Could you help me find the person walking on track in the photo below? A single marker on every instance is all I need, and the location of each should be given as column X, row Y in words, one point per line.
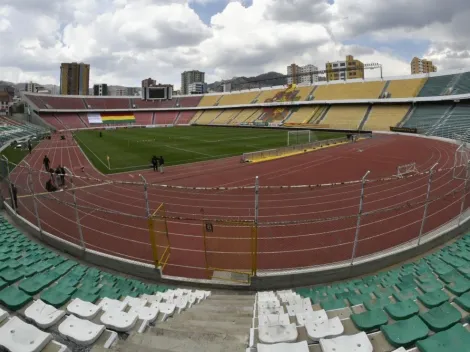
column 155, row 163
column 30, row 147
column 46, row 162
column 14, row 197
column 161, row 162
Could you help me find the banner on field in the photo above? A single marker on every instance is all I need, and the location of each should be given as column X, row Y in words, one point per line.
column 404, row 129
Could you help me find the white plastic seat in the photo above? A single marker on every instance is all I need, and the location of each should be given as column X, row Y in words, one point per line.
column 80, row 331
column 43, row 314
column 179, row 292
column 313, row 316
column 83, row 309
column 317, row 330
column 277, row 333
column 151, row 298
column 266, row 304
column 200, row 294
column 347, row 343
column 273, row 319
column 181, row 303
column 401, row 349
column 111, row 304
column 170, row 294
column 271, row 310
column 18, row 336
column 303, row 306
column 145, row 313
column 3, row 315
column 166, row 309
column 283, row 347
column 135, row 301
column 119, row 320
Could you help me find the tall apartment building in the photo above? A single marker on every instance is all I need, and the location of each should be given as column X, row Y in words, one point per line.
column 302, row 74
column 74, row 78
column 422, row 66
column 100, row 89
column 348, row 69
column 148, row 83
column 31, row 87
column 189, row 77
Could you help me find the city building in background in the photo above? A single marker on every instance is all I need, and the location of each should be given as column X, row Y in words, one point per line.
column 197, row 88
column 74, row 78
column 190, row 77
column 343, row 70
column 100, row 89
column 149, row 82
column 5, row 102
column 422, row 66
column 31, row 87
column 302, row 74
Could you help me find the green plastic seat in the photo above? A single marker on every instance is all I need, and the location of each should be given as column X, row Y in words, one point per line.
column 430, row 286
column 442, row 317
column 85, row 296
column 405, row 332
column 384, row 292
column 459, row 286
column 457, row 339
column 405, row 295
column 370, row 320
column 89, row 287
column 14, row 298
column 55, row 296
column 378, row 303
column 33, row 285
column 12, row 263
column 11, row 275
column 42, row 266
column 451, row 276
column 326, row 305
column 3, row 284
column 358, row 299
column 402, row 310
column 433, row 299
column 464, row 301
column 109, row 292
column 454, row 261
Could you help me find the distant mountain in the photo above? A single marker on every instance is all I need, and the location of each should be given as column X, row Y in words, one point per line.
column 264, row 80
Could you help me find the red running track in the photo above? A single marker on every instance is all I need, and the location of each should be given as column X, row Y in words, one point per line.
column 299, row 227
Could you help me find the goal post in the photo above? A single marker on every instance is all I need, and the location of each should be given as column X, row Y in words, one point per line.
column 406, row 169
column 461, row 169
column 299, row 137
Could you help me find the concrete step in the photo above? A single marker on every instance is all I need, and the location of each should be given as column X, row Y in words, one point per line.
column 226, row 309
column 218, row 326
column 232, row 297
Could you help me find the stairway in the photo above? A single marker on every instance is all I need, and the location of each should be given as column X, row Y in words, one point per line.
column 219, row 323
column 366, row 116
column 384, row 90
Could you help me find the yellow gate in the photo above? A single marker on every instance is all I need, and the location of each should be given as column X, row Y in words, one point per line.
column 230, row 249
column 159, row 240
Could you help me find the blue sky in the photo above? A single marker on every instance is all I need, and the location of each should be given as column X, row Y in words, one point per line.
column 210, row 8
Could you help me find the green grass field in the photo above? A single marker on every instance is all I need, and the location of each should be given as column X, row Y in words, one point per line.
column 132, row 149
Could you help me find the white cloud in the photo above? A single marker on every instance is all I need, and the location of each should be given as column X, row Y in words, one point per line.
column 127, row 40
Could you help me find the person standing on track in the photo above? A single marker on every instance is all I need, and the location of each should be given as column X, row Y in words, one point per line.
column 161, row 162
column 155, row 163
column 14, row 197
column 30, row 147
column 62, row 175
column 46, row 163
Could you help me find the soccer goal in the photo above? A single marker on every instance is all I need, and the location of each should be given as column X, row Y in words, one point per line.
column 300, row 137
column 406, row 169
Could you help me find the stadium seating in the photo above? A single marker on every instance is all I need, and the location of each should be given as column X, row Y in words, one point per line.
column 70, row 121
column 165, row 117
column 210, row 100
column 462, row 86
column 238, row 98
column 381, row 117
column 185, row 117
column 423, row 304
column 189, row 102
column 143, row 118
column 226, row 116
column 345, row 116
column 53, row 121
column 53, row 102
column 456, row 122
column 425, row 116
column 303, row 114
column 436, row 86
column 405, row 88
column 247, row 115
column 339, row 91
column 41, row 292
column 304, row 92
column 107, row 103
column 268, row 94
column 207, row 117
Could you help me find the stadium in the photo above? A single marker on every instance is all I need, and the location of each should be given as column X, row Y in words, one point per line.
column 330, row 215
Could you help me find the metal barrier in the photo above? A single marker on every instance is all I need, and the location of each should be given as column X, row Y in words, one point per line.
column 293, row 149
column 257, row 228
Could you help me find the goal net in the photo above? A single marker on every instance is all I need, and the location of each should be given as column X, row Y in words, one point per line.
column 300, row 137
column 461, row 169
column 406, row 169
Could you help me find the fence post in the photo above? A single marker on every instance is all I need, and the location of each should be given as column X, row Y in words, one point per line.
column 254, row 238
column 9, row 183
column 425, row 213
column 146, row 196
column 77, row 215
column 359, row 216
column 33, row 194
column 465, row 189
column 256, row 199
